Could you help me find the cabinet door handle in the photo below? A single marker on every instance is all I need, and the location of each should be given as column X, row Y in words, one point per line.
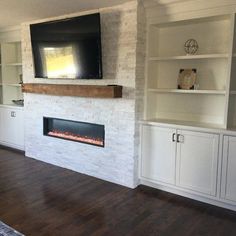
column 173, row 137
column 180, row 138
column 13, row 114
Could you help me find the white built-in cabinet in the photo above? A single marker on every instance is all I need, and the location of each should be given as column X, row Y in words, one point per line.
column 12, row 127
column 179, row 157
column 11, row 115
column 228, row 190
column 188, row 138
column 201, row 164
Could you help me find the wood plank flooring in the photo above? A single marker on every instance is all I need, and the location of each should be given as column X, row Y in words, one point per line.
column 40, row 199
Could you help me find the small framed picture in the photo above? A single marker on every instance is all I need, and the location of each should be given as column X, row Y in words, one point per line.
column 187, row 78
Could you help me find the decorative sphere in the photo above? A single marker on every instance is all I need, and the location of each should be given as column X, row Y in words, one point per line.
column 191, row 46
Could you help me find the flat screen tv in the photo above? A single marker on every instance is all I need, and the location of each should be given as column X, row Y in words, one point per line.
column 68, row 48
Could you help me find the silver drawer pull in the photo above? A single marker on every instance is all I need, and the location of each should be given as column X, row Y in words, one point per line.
column 173, row 137
column 180, row 138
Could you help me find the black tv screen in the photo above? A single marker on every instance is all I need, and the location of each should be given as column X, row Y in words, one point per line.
column 68, row 48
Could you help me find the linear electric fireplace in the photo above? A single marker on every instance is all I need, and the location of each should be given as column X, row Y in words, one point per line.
column 77, row 131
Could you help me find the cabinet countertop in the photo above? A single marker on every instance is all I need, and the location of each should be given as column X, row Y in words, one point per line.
column 190, row 126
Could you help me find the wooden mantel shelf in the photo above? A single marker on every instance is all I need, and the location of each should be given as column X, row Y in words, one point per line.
column 95, row 91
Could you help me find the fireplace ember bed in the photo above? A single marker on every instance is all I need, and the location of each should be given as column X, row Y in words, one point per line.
column 88, row 133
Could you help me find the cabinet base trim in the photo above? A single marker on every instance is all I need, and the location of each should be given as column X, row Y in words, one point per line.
column 175, row 190
column 9, row 145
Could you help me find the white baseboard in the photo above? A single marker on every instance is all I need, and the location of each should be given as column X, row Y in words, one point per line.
column 178, row 191
column 21, row 148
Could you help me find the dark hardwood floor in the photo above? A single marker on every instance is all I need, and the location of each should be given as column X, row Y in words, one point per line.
column 41, row 199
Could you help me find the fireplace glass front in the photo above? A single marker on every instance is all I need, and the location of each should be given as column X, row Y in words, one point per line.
column 77, row 131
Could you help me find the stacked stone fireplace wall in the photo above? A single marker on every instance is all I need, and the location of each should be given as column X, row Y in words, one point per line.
column 117, row 162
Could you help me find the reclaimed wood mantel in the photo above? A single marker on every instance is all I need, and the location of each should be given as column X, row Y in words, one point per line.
column 94, row 91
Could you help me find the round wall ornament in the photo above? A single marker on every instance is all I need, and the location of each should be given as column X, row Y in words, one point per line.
column 191, row 46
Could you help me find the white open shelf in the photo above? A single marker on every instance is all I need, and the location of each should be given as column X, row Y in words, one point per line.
column 11, row 72
column 211, row 74
column 207, row 106
column 12, row 64
column 190, row 57
column 219, row 92
column 14, row 85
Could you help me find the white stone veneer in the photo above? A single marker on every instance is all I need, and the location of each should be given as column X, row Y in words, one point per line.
column 117, row 162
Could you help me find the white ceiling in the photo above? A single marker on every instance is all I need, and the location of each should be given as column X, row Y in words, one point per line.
column 15, row 12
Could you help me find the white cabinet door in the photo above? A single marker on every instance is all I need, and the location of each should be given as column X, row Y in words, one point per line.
column 228, row 190
column 197, row 157
column 158, row 154
column 12, row 126
column 19, row 123
column 8, row 133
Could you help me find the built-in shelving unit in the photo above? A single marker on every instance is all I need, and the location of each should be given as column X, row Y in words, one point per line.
column 208, row 105
column 11, row 72
column 11, row 114
column 188, row 136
